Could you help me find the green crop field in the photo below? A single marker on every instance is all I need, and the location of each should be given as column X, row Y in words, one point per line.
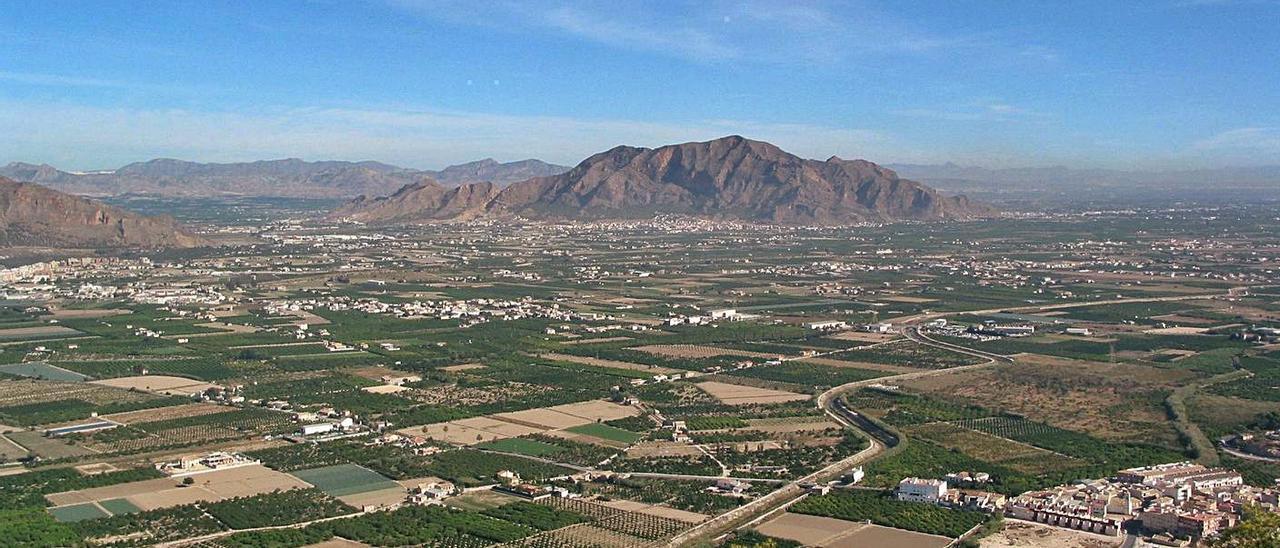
column 607, row 432
column 78, row 512
column 345, row 479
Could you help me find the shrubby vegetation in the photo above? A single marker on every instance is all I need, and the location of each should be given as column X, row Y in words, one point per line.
column 277, row 508
column 28, row 490
column 883, row 509
column 542, row 518
column 34, row 527
column 435, row 525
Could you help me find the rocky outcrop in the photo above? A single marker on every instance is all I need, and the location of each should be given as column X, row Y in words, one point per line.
column 32, row 215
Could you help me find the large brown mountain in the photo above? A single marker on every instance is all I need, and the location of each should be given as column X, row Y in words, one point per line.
column 728, row 178
column 32, row 215
column 271, row 178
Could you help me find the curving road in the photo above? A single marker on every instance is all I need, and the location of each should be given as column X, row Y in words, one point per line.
column 830, row 404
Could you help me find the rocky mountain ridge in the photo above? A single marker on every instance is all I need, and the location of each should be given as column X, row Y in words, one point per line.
column 727, row 178
column 32, row 215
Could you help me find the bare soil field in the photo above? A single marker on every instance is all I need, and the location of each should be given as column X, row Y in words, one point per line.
column 463, row 367
column 599, row 340
column 519, row 423
column 597, row 410
column 376, row 373
column 662, row 449
column 162, row 384
column 75, row 314
column 168, row 492
column 457, row 432
column 1176, row 331
column 697, row 351
column 863, row 336
column 805, row 529
column 385, row 389
column 598, row 362
column 37, row 332
column 656, row 510
column 791, row 424
column 338, row 542
column 223, row 328
column 861, row 365
column 380, row 498
column 11, row 451
column 47, row 448
column 1021, row 534
column 875, row 535
column 183, row 411
column 480, row 500
column 1189, row 320
column 733, row 394
column 838, row 533
column 96, row 468
column 546, row 418
column 906, row 299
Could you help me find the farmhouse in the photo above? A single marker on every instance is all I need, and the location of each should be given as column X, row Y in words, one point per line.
column 195, row 464
column 724, row 314
column 318, row 428
column 921, row 490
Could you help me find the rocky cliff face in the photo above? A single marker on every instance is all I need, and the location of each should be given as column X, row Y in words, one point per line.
column 728, row 178
column 32, row 215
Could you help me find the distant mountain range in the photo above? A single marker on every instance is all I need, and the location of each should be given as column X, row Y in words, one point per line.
column 1077, row 184
column 32, row 215
column 275, row 178
column 727, row 178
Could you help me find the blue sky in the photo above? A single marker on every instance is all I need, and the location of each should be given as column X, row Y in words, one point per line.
column 1135, row 84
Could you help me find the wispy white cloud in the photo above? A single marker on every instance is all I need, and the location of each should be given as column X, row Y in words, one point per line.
column 973, row 111
column 50, row 80
column 716, row 30
column 85, row 137
column 39, row 79
column 687, row 41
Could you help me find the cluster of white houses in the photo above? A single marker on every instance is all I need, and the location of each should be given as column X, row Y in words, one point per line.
column 1181, row 500
column 469, row 312
column 1177, row 502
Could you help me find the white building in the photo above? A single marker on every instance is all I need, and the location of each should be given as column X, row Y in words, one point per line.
column 921, row 490
column 318, row 428
column 724, row 314
column 826, row 325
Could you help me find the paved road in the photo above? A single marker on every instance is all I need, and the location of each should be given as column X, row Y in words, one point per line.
column 914, row 333
column 829, row 401
column 1059, row 306
column 660, row 475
